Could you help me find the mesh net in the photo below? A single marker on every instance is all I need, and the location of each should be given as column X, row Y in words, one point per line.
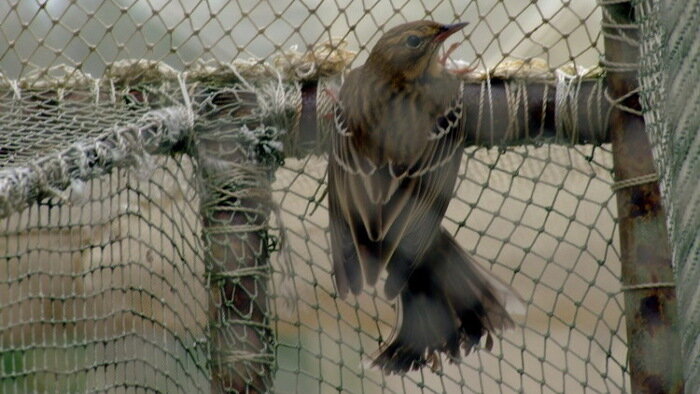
column 669, row 70
column 548, row 231
column 91, row 35
column 134, row 242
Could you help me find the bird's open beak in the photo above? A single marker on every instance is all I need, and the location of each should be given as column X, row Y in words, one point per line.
column 448, row 30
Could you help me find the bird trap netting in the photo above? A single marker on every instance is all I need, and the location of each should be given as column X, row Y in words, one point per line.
column 163, row 193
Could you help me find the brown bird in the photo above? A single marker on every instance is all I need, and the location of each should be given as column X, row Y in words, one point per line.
column 392, row 170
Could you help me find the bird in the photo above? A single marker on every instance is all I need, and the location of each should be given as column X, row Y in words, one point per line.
column 394, row 157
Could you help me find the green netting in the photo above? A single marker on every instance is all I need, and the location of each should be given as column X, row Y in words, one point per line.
column 142, row 203
column 108, row 293
column 548, row 230
column 669, row 77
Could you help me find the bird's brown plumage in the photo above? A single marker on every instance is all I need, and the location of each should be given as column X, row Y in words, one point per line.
column 392, row 169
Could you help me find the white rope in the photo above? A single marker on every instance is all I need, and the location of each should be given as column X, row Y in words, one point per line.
column 636, row 181
column 647, row 286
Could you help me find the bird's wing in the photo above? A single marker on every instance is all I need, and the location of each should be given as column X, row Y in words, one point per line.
column 346, row 267
column 344, row 164
column 446, row 138
column 402, row 223
column 431, row 179
column 350, row 208
column 343, row 151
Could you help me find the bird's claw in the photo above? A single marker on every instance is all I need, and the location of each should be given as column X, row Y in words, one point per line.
column 332, row 93
column 448, row 52
column 462, row 70
column 457, row 71
column 334, row 97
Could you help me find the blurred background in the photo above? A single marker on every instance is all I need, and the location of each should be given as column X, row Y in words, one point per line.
column 113, row 289
column 36, row 34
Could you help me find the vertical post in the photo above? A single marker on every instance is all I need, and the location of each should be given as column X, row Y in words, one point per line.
column 235, row 206
column 655, row 364
column 670, row 78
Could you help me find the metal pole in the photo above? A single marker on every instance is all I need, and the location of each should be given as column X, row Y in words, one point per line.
column 502, row 112
column 653, row 341
column 235, row 206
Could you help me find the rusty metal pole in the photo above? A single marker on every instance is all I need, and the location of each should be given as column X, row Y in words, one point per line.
column 235, row 199
column 655, row 365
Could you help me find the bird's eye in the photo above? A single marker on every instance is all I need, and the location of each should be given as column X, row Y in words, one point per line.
column 413, row 41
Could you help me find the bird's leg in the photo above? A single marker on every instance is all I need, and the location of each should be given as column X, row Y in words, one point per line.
column 434, row 362
column 457, row 71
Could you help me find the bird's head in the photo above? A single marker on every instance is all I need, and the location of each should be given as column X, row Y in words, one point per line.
column 409, row 51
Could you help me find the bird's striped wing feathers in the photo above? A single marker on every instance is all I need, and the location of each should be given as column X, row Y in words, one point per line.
column 398, row 228
column 432, row 180
column 342, row 148
column 446, row 138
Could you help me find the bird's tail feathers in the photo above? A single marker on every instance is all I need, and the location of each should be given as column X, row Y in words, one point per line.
column 447, row 306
